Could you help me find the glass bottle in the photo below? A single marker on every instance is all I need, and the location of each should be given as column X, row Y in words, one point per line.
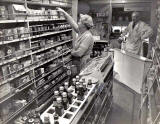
column 90, row 83
column 66, row 85
column 76, row 87
column 59, row 108
column 77, row 78
column 61, row 90
column 80, row 93
column 37, row 119
column 70, row 96
column 73, row 82
column 56, row 119
column 65, row 101
column 46, row 120
column 56, row 95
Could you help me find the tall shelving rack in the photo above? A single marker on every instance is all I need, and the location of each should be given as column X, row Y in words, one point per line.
column 45, row 55
column 150, row 103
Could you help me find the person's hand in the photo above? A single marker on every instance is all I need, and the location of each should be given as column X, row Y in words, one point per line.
column 60, row 10
column 120, row 39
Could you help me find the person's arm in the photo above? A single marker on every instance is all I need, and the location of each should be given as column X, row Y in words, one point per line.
column 126, row 30
column 87, row 41
column 69, row 19
column 146, row 31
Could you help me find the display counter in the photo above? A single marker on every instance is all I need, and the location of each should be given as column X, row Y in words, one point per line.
column 130, row 69
column 95, row 106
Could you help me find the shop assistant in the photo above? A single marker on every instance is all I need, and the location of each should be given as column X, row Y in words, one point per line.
column 83, row 45
column 137, row 31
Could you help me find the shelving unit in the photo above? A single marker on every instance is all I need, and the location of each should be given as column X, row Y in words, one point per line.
column 32, row 57
column 150, row 105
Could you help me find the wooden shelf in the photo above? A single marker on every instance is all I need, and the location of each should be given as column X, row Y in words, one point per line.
column 14, row 59
column 50, row 33
column 49, row 5
column 10, row 96
column 26, row 71
column 54, row 45
column 13, row 1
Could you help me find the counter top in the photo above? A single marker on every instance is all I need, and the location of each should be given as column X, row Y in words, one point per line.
column 133, row 55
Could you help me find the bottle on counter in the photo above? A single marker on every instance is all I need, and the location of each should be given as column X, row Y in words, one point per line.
column 73, row 82
column 61, row 90
column 46, row 120
column 56, row 119
column 80, row 93
column 77, row 78
column 30, row 120
column 66, row 85
column 76, row 87
column 89, row 83
column 70, row 96
column 37, row 119
column 85, row 88
column 65, row 101
column 59, row 108
column 81, row 81
column 56, row 95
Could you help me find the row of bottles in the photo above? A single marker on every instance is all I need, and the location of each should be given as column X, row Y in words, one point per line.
column 64, row 96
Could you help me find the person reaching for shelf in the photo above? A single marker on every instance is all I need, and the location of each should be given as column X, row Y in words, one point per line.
column 83, row 45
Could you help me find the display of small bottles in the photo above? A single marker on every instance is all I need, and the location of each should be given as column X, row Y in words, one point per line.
column 59, row 108
column 65, row 101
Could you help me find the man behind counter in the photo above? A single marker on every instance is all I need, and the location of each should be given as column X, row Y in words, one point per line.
column 137, row 32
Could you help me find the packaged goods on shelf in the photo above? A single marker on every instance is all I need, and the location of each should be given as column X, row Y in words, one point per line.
column 46, row 1
column 2, row 53
column 3, row 12
column 23, row 80
column 5, row 110
column 34, row 14
column 18, row 12
column 5, row 89
column 5, row 72
column 36, row 1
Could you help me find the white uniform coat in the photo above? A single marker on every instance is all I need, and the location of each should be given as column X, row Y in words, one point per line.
column 140, row 32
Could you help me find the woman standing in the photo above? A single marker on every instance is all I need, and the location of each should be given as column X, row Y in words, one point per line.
column 83, row 45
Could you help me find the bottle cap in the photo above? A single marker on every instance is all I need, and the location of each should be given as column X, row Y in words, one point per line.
column 66, row 83
column 64, row 94
column 59, row 99
column 77, row 83
column 77, row 77
column 56, row 92
column 73, row 79
column 90, row 81
column 61, row 88
column 70, row 90
column 80, row 81
column 56, row 116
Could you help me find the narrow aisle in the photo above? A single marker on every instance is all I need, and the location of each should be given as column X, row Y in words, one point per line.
column 125, row 106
